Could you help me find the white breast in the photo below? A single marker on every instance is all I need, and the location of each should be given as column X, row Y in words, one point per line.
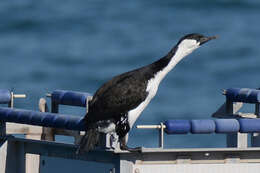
column 151, row 88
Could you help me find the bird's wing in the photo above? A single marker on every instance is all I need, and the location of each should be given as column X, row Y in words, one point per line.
column 118, row 96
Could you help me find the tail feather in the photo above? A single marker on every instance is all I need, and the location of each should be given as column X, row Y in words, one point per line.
column 88, row 141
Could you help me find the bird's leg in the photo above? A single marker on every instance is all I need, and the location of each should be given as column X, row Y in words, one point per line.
column 122, row 128
column 123, row 146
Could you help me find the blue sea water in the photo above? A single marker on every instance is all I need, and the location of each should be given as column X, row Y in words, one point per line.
column 78, row 45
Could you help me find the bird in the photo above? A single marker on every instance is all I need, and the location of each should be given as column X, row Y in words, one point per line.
column 118, row 103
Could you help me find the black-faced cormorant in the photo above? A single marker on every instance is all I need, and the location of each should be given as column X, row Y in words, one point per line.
column 118, row 103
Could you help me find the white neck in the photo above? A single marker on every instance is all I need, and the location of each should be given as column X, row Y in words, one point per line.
column 182, row 51
column 152, row 86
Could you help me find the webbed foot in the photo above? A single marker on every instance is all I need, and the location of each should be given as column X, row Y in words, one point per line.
column 136, row 149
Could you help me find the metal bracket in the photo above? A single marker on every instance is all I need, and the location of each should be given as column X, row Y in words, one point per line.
column 161, row 128
column 14, row 96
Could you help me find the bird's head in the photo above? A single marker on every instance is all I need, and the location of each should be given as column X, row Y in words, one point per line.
column 190, row 42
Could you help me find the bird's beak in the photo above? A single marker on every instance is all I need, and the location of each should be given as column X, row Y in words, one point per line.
column 206, row 39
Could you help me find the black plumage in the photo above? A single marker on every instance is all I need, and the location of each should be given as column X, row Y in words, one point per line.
column 113, row 100
column 124, row 92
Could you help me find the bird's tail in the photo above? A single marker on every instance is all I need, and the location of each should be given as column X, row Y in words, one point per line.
column 88, row 141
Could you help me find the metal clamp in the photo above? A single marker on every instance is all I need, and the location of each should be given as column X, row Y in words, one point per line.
column 161, row 128
column 14, row 96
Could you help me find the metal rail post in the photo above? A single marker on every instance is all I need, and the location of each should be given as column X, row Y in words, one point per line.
column 255, row 138
column 238, row 140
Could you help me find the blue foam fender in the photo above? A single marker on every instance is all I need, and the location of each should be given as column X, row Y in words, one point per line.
column 36, row 118
column 45, row 119
column 5, row 96
column 202, row 126
column 177, row 126
column 71, row 98
column 249, row 125
column 227, row 125
column 245, row 95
